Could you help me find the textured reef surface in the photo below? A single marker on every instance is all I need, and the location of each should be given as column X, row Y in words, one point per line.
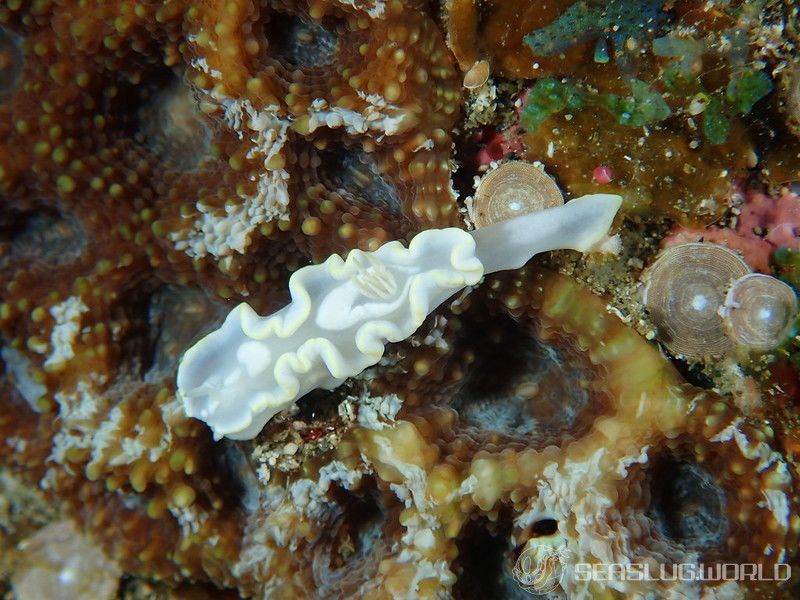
column 162, row 161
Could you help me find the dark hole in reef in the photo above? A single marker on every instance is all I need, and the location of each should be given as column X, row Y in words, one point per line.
column 348, row 553
column 171, row 126
column 321, row 405
column 134, row 587
column 544, row 527
column 41, row 234
column 355, row 173
column 695, row 373
column 687, row 505
column 233, row 476
column 130, row 313
column 534, row 390
column 178, row 316
column 159, row 322
column 361, row 526
column 484, row 562
column 298, row 41
column 12, row 62
column 122, row 101
column 161, row 114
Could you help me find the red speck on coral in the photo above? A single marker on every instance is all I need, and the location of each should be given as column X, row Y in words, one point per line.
column 603, row 174
column 312, row 433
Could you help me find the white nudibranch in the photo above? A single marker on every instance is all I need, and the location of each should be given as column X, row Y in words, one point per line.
column 343, row 312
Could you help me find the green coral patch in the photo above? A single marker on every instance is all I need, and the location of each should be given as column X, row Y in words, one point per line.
column 642, row 107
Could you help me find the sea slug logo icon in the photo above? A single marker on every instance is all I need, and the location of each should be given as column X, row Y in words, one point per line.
column 539, row 568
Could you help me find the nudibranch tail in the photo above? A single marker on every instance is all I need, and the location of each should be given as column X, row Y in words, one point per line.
column 581, row 224
column 343, row 313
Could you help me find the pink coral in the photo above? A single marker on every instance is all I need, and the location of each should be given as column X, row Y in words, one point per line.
column 765, row 224
column 491, row 149
column 494, row 146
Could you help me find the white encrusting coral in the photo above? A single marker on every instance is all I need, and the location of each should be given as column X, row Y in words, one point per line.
column 67, row 315
column 221, row 231
column 343, row 312
column 378, row 116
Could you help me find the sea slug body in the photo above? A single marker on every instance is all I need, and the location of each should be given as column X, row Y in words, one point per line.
column 343, row 312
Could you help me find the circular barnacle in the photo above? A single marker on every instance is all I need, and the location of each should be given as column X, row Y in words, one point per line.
column 512, row 189
column 759, row 311
column 477, row 75
column 684, row 290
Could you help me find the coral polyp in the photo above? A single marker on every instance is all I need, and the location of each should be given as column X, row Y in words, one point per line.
column 447, row 213
column 531, row 387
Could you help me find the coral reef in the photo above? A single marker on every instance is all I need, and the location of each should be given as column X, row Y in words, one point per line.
column 671, row 104
column 163, row 162
column 585, row 21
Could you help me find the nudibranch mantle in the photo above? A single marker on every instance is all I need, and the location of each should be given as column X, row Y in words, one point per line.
column 343, row 312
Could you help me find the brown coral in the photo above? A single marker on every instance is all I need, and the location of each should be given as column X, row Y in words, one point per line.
column 656, row 161
column 147, row 182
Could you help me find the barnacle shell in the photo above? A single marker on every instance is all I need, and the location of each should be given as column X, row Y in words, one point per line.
column 684, row 290
column 512, row 189
column 759, row 310
column 477, row 75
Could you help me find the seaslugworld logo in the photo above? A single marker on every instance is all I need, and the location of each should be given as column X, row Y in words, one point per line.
column 540, row 570
column 681, row 572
